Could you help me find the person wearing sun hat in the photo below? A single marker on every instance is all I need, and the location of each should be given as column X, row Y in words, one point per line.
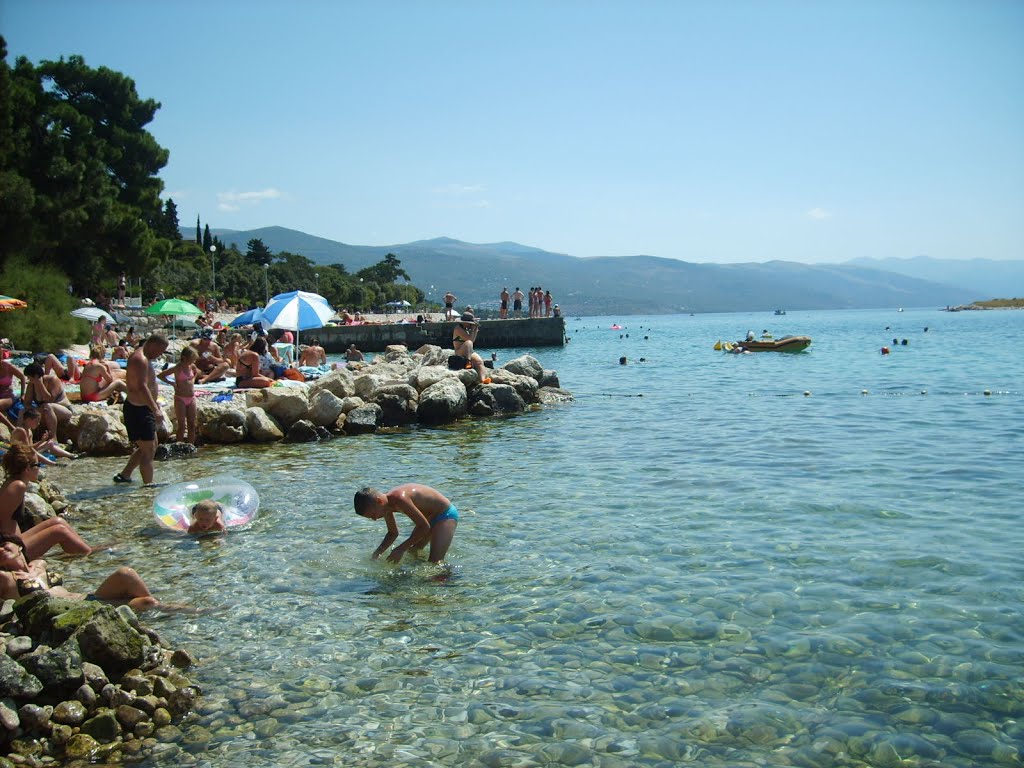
column 463, row 341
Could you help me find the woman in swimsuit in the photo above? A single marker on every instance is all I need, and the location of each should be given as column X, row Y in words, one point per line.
column 8, row 373
column 250, row 362
column 463, row 339
column 20, row 575
column 22, row 467
column 184, row 375
column 46, row 392
column 97, row 383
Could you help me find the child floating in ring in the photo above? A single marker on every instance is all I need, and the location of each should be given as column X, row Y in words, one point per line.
column 207, row 517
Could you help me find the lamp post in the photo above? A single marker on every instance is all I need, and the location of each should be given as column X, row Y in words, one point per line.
column 213, row 259
column 266, row 282
column 316, row 276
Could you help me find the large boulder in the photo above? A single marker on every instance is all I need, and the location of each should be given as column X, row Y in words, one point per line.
column 261, row 426
column 550, row 379
column 103, row 635
column 443, row 402
column 553, row 396
column 339, row 382
column 495, row 400
column 525, row 386
column 431, row 355
column 398, row 403
column 100, row 432
column 426, row 376
column 324, row 408
column 364, row 419
column 525, row 365
column 286, row 404
column 222, row 422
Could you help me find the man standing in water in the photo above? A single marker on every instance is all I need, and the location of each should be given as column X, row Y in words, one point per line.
column 142, row 414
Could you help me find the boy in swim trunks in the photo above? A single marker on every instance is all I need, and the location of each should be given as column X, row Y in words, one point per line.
column 433, row 515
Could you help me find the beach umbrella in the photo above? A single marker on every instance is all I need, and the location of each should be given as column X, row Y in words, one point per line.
column 173, row 307
column 402, row 303
column 92, row 314
column 9, row 303
column 297, row 311
column 251, row 317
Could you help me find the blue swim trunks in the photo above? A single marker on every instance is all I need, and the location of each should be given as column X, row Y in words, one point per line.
column 449, row 514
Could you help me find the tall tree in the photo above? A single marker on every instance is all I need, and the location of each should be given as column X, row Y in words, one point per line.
column 207, row 239
column 257, row 253
column 199, row 234
column 78, row 160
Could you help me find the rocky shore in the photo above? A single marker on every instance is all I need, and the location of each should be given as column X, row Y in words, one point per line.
column 85, row 681
column 398, row 388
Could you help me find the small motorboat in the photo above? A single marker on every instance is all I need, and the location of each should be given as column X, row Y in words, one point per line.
column 782, row 344
column 780, row 311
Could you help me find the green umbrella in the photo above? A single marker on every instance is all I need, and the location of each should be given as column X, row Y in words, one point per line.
column 173, row 307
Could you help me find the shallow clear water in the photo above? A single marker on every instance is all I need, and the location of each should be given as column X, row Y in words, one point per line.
column 694, row 561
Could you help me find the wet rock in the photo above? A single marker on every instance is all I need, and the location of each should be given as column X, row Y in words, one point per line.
column 364, row 420
column 261, row 426
column 324, row 408
column 35, row 717
column 443, row 402
column 69, row 713
column 494, row 400
column 302, row 431
column 103, row 726
column 16, row 682
column 166, row 451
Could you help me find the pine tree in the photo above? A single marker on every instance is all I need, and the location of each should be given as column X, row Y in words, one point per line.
column 199, row 234
column 207, row 239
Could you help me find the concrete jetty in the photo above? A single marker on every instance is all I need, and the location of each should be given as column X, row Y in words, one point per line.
column 494, row 334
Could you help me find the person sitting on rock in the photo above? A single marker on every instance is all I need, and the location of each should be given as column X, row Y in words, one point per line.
column 23, row 433
column 21, row 466
column 98, row 384
column 210, row 363
column 463, row 339
column 249, row 372
column 22, row 575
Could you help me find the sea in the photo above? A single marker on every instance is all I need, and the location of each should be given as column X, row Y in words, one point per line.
column 808, row 559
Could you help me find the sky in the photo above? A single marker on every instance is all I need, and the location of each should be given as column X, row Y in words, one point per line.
column 709, row 131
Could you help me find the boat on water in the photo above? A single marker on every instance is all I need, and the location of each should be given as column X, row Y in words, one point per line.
column 780, row 311
column 784, row 344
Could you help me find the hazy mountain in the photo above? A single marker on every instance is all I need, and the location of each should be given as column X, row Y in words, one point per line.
column 476, row 273
column 987, row 278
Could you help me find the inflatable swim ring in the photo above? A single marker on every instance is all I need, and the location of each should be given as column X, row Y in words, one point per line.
column 616, row 327
column 172, row 507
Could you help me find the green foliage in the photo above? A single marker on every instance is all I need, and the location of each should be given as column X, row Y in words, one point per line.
column 46, row 325
column 79, row 184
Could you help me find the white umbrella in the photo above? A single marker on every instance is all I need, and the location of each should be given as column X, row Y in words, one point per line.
column 297, row 311
column 92, row 314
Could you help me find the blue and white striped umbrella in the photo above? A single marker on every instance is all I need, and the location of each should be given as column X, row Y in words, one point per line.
column 297, row 311
column 247, row 318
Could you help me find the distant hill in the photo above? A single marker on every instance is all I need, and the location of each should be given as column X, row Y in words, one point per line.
column 989, row 279
column 476, row 273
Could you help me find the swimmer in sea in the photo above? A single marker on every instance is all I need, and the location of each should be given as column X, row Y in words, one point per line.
column 433, row 516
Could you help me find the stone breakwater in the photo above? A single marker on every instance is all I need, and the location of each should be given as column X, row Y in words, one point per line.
column 396, row 389
column 86, row 681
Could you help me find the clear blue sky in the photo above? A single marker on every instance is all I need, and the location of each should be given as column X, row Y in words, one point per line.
column 704, row 131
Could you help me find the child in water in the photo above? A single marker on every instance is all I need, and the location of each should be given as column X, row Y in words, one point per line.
column 434, row 517
column 184, row 373
column 206, row 518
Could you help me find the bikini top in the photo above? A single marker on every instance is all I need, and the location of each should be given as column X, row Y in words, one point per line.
column 184, row 374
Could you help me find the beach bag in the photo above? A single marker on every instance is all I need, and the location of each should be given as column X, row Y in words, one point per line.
column 14, row 412
column 457, row 363
column 291, row 373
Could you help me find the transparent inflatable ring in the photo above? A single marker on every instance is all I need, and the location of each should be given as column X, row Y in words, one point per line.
column 238, row 500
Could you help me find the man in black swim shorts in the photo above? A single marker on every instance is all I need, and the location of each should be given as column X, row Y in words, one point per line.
column 142, row 414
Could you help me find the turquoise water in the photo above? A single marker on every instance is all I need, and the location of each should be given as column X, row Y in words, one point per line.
column 693, row 562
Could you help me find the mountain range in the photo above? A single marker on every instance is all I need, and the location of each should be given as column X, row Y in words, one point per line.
column 476, row 273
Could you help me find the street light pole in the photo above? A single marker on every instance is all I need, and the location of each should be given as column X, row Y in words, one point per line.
column 266, row 282
column 213, row 258
column 316, row 276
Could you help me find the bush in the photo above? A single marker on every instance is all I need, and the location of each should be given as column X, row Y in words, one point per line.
column 46, row 325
